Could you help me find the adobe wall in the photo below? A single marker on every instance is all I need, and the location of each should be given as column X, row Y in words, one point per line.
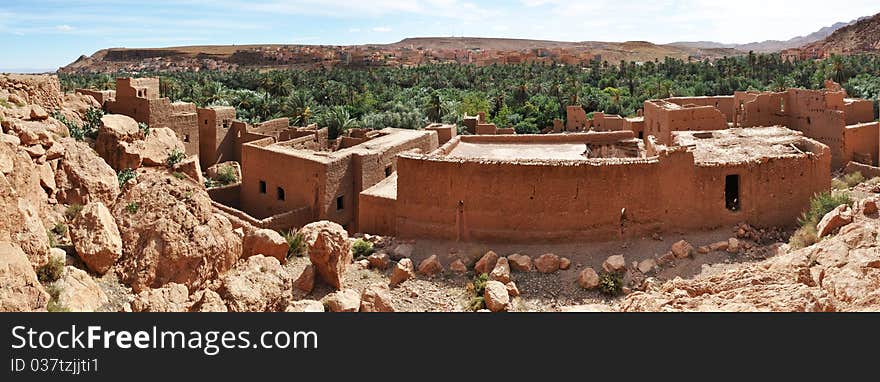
column 127, row 87
column 301, row 179
column 485, row 129
column 820, row 116
column 214, row 141
column 662, row 118
column 569, row 200
column 376, row 207
column 858, row 111
column 725, row 104
column 607, row 122
column 444, row 132
column 226, row 195
column 505, row 131
column 102, row 96
column 862, row 142
column 760, row 109
column 636, row 125
column 576, row 119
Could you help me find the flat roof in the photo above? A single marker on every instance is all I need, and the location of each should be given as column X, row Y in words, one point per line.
column 742, row 144
column 524, row 150
column 392, row 137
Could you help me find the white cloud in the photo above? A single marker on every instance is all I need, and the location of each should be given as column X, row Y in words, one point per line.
column 64, row 28
column 381, row 29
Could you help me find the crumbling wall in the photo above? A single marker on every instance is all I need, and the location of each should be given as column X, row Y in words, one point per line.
column 861, row 143
column 724, row 104
column 576, row 119
column 607, row 122
column 102, row 96
column 662, row 118
column 858, row 111
column 444, row 132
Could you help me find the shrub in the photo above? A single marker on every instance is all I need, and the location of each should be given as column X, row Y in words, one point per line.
column 211, row 183
column 478, row 302
column 179, row 175
column 75, row 130
column 853, row 178
column 226, row 175
column 132, row 207
column 54, row 305
column 610, row 283
column 361, row 248
column 821, row 204
column 124, row 176
column 174, row 158
column 92, row 122
column 52, row 241
column 144, row 128
column 837, row 184
column 296, row 243
column 51, row 271
column 59, row 229
column 803, row 237
column 72, row 211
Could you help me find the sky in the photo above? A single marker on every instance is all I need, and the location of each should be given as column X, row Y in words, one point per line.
column 38, row 35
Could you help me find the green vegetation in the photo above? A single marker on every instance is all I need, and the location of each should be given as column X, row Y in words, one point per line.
column 179, row 175
column 123, row 176
column 72, row 211
column 296, row 243
column 361, row 248
column 54, row 305
column 51, row 271
column 478, row 286
column 611, row 283
column 144, row 128
column 132, row 207
column 59, row 229
column 174, row 158
column 89, row 128
column 527, row 96
column 53, row 241
column 820, row 205
column 226, row 175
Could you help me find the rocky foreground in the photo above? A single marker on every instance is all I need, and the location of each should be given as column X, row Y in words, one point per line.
column 96, row 216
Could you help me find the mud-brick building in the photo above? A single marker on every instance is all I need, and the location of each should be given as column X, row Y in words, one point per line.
column 597, row 185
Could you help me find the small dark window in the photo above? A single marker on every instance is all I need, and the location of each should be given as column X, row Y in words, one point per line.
column 641, row 135
column 186, row 138
column 262, row 187
column 206, row 121
column 280, row 192
column 388, row 171
column 340, row 203
column 809, row 121
column 731, row 192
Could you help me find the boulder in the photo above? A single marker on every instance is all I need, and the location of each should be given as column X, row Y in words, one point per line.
column 682, row 249
column 172, row 297
column 719, row 246
column 377, row 298
column 402, row 251
column 329, row 250
column 868, row 206
column 732, row 245
column 836, row 218
column 458, row 266
column 379, row 260
column 402, row 271
column 431, row 266
column 588, row 278
column 265, row 242
column 547, row 263
column 486, row 263
column 207, row 301
column 20, row 291
column 512, row 290
column 703, row 249
column 37, row 113
column 496, row 297
column 647, row 265
column 520, row 263
column 305, row 306
column 257, row 284
column 615, row 263
column 564, row 263
column 214, row 171
column 122, row 144
column 170, row 233
column 191, row 168
column 95, row 236
column 83, row 177
column 346, row 300
column 306, row 280
column 78, row 292
column 501, row 272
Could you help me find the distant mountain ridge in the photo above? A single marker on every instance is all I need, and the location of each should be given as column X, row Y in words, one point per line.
column 860, row 37
column 771, row 46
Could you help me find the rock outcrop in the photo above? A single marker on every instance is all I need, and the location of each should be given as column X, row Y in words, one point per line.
column 257, row 284
column 265, row 242
column 20, row 291
column 172, row 297
column 78, row 292
column 123, row 145
column 96, row 237
column 329, row 250
column 83, row 177
column 170, row 233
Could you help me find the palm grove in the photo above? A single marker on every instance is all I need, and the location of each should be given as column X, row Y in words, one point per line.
column 527, row 97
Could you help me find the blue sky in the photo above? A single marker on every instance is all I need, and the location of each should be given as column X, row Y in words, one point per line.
column 46, row 34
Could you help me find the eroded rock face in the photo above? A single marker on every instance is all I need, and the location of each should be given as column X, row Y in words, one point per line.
column 402, row 271
column 346, row 300
column 83, row 177
column 838, row 217
column 170, row 233
column 78, row 292
column 258, row 284
column 20, row 198
column 20, row 291
column 265, row 242
column 377, row 298
column 486, row 263
column 123, row 145
column 496, row 296
column 329, row 250
column 96, row 237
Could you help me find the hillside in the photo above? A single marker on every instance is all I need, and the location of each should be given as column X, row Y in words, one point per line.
column 410, row 51
column 861, row 37
column 769, row 46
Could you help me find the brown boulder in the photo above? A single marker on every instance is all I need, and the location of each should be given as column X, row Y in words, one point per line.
column 346, row 300
column 402, row 271
column 265, row 242
column 83, row 177
column 214, row 171
column 496, row 296
column 306, row 280
column 646, row 266
column 207, row 301
column 486, row 263
column 305, row 306
column 838, row 217
column 122, row 144
column 431, row 266
column 329, row 250
column 170, row 234
column 682, row 249
column 172, row 297
column 564, row 263
column 521, row 263
column 732, row 245
column 719, row 246
column 96, row 237
column 190, row 167
column 78, row 292
column 588, row 278
column 868, row 206
column 377, row 298
column 38, row 113
column 512, row 290
column 258, row 284
column 547, row 263
column 20, row 291
column 379, row 260
column 615, row 263
column 458, row 266
column 501, row 272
